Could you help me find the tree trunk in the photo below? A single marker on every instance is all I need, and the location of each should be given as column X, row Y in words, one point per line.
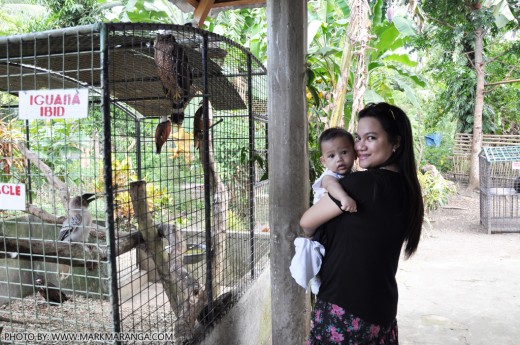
column 336, row 120
column 359, row 33
column 476, row 145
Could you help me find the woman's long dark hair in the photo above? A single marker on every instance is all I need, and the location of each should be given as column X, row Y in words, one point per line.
column 396, row 124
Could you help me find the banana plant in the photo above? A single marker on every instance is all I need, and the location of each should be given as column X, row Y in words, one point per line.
column 389, row 64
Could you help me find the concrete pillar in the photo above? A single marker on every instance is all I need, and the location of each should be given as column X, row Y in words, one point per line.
column 288, row 163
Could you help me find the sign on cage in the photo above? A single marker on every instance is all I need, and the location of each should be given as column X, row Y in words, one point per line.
column 56, row 104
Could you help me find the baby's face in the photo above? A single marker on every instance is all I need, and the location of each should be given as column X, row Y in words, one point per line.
column 338, row 155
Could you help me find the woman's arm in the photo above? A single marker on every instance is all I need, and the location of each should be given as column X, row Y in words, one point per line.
column 319, row 214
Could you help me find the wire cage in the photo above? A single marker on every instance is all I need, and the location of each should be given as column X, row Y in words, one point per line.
column 145, row 218
column 500, row 188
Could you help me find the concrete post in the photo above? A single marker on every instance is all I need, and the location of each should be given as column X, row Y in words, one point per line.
column 288, row 163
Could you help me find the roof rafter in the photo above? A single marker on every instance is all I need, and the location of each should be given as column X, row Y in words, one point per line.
column 201, row 8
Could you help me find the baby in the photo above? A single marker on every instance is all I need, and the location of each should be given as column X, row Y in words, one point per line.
column 338, row 156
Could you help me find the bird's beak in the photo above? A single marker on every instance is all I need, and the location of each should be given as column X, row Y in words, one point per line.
column 89, row 197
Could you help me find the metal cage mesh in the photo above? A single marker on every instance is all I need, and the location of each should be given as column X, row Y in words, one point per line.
column 176, row 237
column 500, row 188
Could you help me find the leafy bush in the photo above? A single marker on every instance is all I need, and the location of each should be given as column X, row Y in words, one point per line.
column 436, row 190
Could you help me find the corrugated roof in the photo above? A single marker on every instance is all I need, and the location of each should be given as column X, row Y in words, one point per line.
column 58, row 59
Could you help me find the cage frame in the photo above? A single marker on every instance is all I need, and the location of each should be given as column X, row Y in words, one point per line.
column 108, row 100
column 499, row 169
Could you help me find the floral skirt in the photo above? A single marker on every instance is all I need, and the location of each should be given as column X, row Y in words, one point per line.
column 331, row 324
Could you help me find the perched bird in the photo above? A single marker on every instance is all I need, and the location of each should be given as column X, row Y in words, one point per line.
column 50, row 292
column 198, row 125
column 76, row 228
column 175, row 73
column 162, row 133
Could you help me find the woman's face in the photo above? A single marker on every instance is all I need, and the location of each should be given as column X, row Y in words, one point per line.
column 372, row 145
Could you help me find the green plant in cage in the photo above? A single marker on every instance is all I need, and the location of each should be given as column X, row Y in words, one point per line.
column 11, row 161
column 59, row 144
column 122, row 175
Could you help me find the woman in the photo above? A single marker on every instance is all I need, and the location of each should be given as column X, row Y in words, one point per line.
column 357, row 301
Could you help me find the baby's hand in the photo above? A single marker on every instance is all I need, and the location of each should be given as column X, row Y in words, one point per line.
column 348, row 204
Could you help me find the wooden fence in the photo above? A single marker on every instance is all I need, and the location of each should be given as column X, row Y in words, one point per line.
column 462, row 150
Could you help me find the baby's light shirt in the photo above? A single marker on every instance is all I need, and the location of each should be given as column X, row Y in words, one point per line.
column 318, row 190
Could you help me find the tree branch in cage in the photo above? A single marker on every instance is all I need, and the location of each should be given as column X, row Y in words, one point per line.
column 186, row 296
column 55, row 182
column 73, row 254
column 44, row 215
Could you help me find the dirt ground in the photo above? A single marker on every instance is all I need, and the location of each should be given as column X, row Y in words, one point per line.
column 463, row 285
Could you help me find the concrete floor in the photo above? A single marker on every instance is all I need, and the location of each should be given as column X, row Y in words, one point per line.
column 463, row 285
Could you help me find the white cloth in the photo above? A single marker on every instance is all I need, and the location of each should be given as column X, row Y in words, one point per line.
column 306, row 263
column 318, row 190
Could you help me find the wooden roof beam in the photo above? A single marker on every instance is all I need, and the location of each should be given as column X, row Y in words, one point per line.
column 203, row 7
column 232, row 3
column 202, row 10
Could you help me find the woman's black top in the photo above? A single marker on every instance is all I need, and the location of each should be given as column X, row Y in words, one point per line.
column 362, row 249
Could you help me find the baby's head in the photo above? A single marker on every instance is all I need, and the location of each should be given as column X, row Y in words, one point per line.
column 337, row 150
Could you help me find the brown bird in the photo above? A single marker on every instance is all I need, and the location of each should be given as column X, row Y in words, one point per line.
column 198, row 125
column 175, row 73
column 50, row 292
column 162, row 133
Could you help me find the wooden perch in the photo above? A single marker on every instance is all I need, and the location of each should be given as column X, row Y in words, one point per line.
column 184, row 292
column 44, row 215
column 55, row 182
column 72, row 254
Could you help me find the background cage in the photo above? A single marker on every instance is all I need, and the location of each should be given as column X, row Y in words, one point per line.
column 208, row 204
column 500, row 188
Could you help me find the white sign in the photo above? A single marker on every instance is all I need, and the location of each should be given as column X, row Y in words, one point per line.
column 516, row 165
column 53, row 104
column 12, row 196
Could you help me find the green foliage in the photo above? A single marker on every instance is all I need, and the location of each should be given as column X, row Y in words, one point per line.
column 151, row 11
column 435, row 189
column 15, row 16
column 451, row 32
column 66, row 13
column 247, row 26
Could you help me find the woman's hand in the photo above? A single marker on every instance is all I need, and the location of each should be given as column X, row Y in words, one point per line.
column 319, row 214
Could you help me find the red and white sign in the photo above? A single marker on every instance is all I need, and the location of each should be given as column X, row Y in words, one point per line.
column 12, row 196
column 516, row 165
column 53, row 104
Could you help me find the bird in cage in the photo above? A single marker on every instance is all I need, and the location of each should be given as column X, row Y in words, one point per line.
column 175, row 73
column 76, row 227
column 162, row 133
column 50, row 292
column 198, row 125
